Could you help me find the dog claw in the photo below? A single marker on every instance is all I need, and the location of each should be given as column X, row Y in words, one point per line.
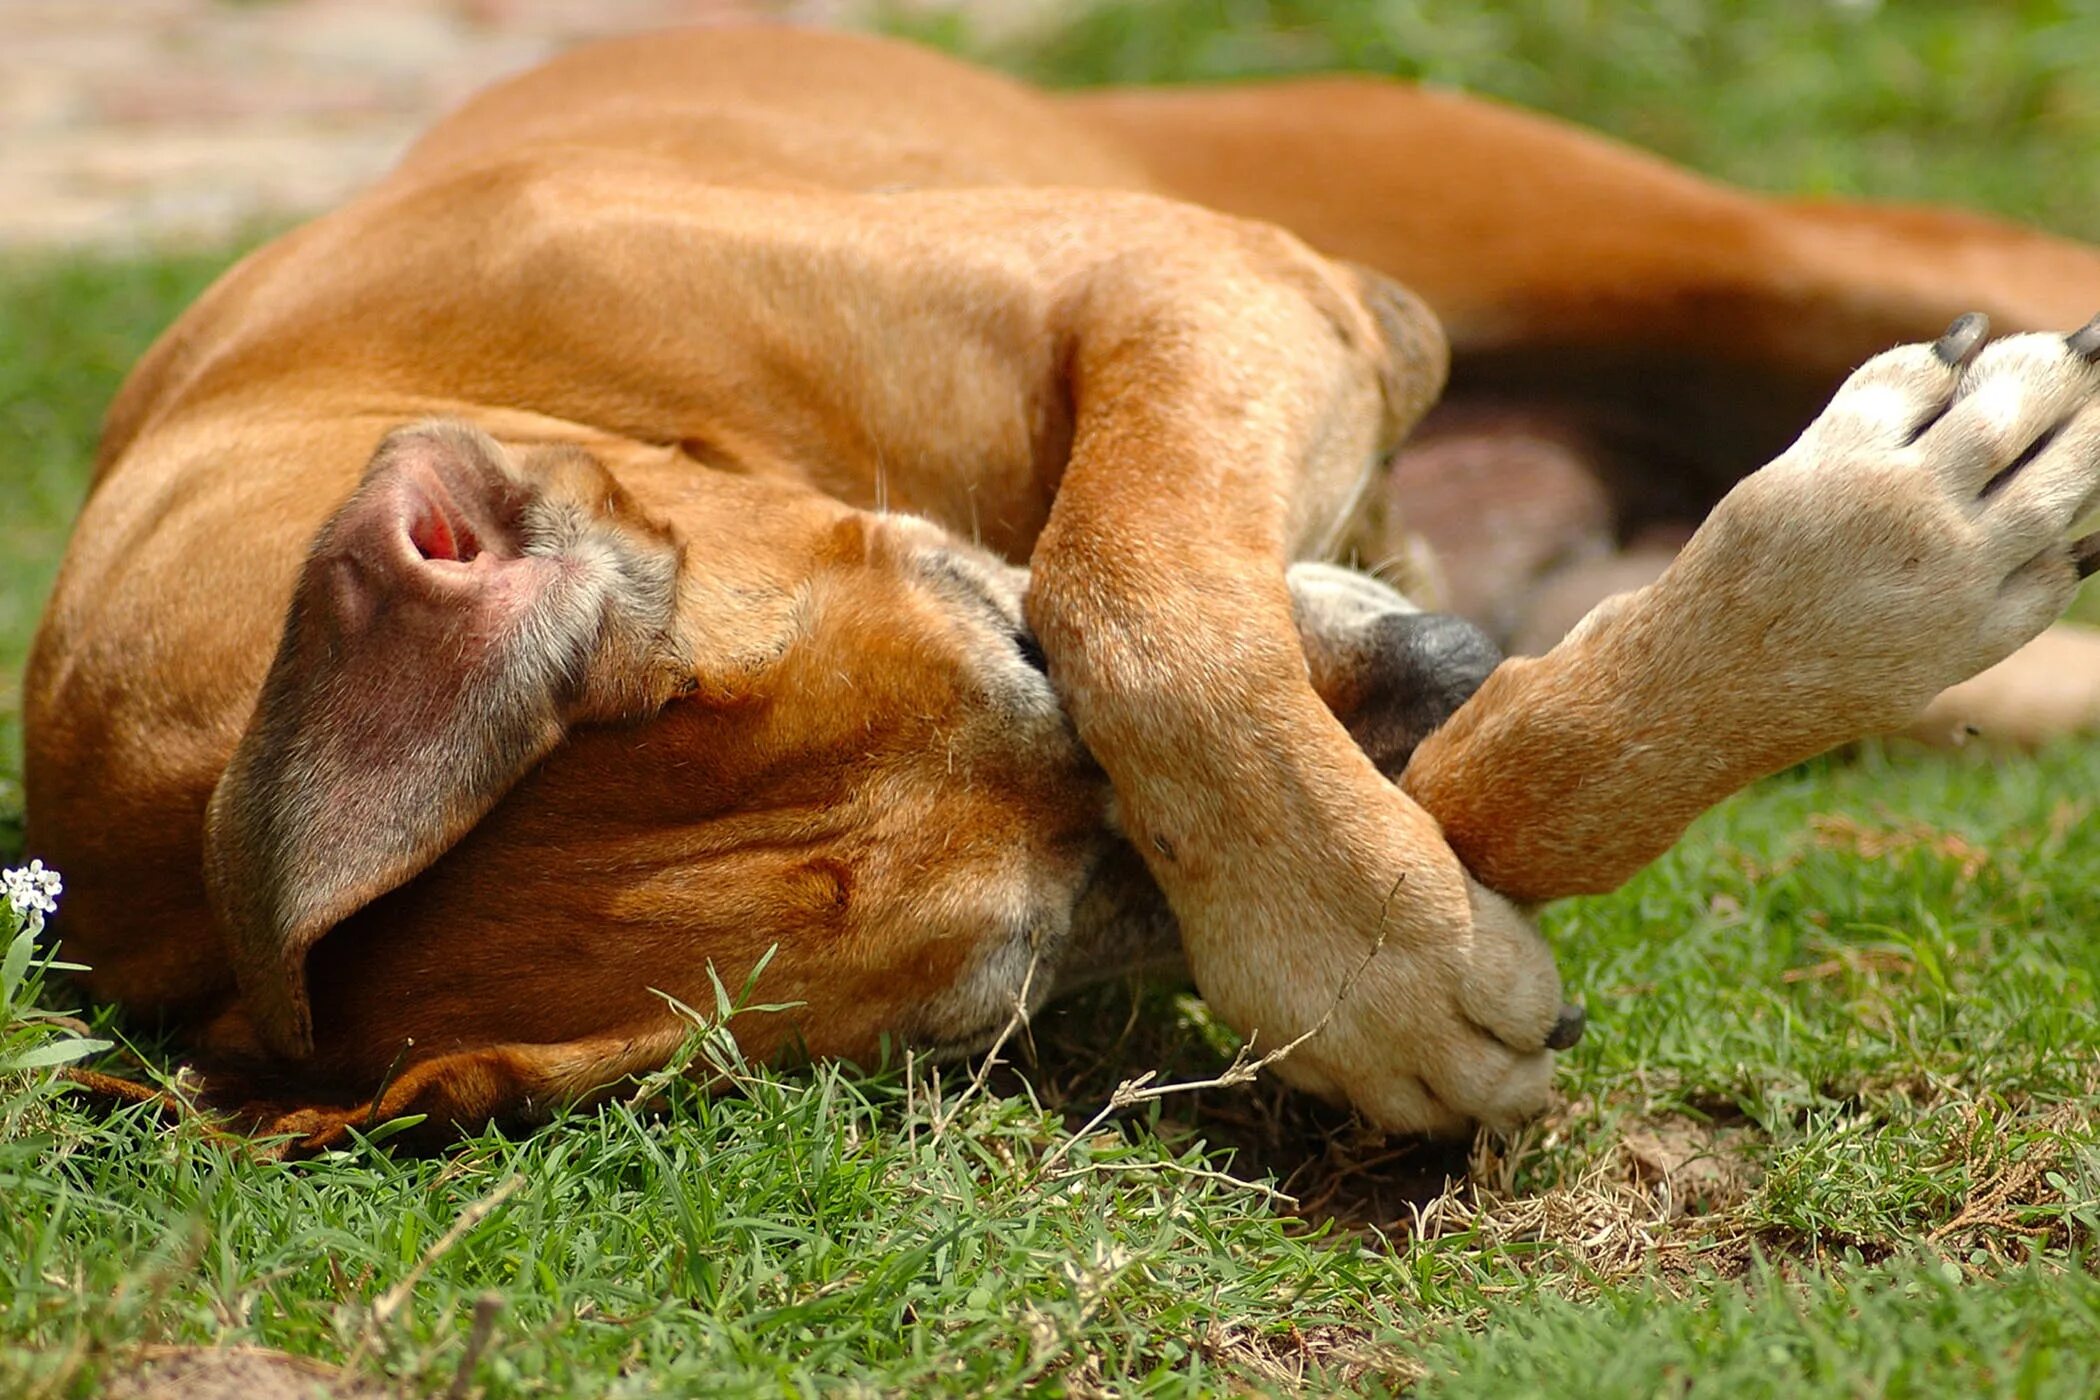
column 2085, row 341
column 2085, row 555
column 1569, row 1028
column 1964, row 338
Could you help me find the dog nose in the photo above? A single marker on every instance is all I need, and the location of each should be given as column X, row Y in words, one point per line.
column 1569, row 1028
column 1415, row 672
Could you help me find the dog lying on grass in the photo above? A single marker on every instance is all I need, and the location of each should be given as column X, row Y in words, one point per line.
column 761, row 492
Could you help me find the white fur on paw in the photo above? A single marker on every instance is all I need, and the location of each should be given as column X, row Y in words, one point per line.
column 2013, row 438
column 1918, row 532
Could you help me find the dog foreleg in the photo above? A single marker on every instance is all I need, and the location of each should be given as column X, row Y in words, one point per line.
column 1916, row 534
column 1223, row 415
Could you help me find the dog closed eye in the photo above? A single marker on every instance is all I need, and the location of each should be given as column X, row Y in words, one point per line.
column 1031, row 651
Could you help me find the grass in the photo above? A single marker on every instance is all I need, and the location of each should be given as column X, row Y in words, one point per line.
column 69, row 329
column 1833, row 1131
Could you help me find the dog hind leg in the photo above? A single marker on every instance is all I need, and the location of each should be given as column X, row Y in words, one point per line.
column 1520, row 230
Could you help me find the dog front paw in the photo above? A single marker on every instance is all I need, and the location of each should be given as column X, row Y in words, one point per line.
column 1446, row 1018
column 1439, row 1040
column 1917, row 533
column 1475, row 1044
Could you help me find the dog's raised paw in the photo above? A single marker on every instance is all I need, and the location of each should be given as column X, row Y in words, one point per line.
column 1920, row 529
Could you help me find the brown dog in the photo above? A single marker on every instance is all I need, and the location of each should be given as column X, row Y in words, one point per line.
column 684, row 619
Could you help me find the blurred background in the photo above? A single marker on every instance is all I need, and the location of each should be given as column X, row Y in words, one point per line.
column 196, row 121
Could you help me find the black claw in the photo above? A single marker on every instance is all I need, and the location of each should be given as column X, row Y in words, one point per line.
column 2085, row 341
column 2085, row 555
column 1963, row 339
column 1568, row 1028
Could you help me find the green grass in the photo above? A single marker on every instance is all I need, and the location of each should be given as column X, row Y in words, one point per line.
column 1833, row 1131
column 68, row 332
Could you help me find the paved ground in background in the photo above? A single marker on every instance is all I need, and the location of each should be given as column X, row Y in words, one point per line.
column 182, row 121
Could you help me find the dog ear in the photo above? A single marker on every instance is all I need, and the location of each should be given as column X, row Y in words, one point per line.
column 452, row 619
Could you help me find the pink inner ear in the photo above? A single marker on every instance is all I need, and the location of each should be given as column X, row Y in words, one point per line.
column 436, row 537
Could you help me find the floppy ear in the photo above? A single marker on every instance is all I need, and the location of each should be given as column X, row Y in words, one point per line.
column 452, row 618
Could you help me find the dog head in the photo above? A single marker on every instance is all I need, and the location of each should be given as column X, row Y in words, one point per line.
column 774, row 720
column 641, row 728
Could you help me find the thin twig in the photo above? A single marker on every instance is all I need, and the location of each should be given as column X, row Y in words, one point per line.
column 391, row 1301
column 991, row 1056
column 1183, row 1169
column 386, row 1081
column 1242, row 1070
column 485, row 1309
column 911, row 1084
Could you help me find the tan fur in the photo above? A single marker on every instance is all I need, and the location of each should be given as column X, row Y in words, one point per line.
column 2041, row 692
column 783, row 288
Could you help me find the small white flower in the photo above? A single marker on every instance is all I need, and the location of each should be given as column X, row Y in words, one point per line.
column 33, row 890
